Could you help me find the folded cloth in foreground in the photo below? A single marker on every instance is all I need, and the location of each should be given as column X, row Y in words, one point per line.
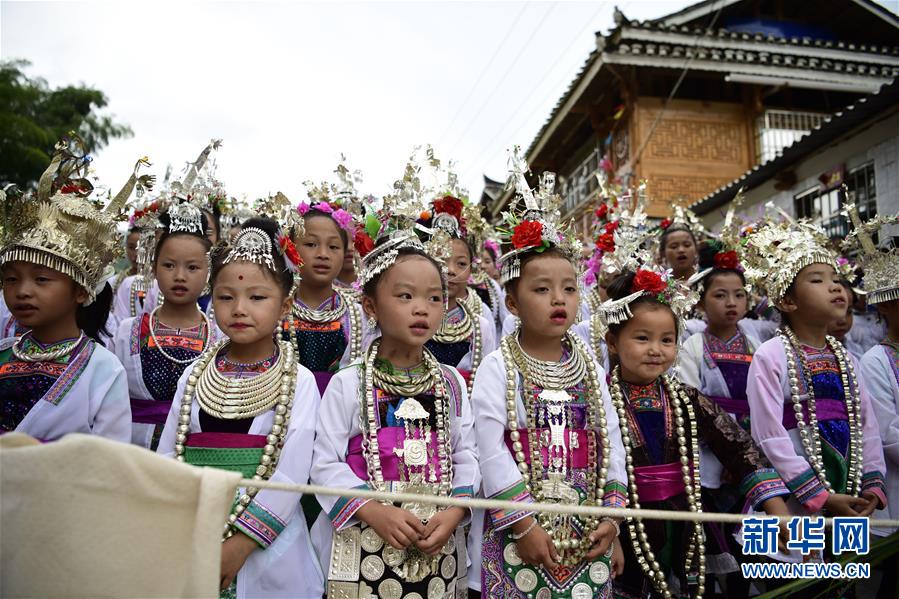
column 89, row 517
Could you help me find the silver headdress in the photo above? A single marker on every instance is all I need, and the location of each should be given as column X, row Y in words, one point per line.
column 280, row 209
column 60, row 227
column 684, row 219
column 539, row 226
column 881, row 266
column 632, row 254
column 727, row 244
column 775, row 253
column 396, row 222
column 186, row 218
column 252, row 245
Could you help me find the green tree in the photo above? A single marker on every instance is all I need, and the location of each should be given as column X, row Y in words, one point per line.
column 33, row 117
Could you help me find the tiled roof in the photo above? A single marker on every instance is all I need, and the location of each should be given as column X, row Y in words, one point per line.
column 741, row 36
column 653, row 43
column 663, row 45
column 830, row 128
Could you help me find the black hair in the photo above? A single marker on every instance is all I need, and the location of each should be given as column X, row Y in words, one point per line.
column 674, row 229
column 92, row 319
column 468, row 247
column 524, row 258
column 282, row 274
column 213, row 220
column 492, row 253
column 344, row 236
column 621, row 287
column 135, row 229
column 707, row 252
column 848, row 287
column 371, row 286
column 166, row 222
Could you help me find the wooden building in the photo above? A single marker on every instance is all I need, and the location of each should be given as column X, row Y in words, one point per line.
column 694, row 99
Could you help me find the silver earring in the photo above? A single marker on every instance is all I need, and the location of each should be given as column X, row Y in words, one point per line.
column 372, row 325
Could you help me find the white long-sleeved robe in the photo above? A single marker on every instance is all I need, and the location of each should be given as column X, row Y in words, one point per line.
column 94, row 403
column 338, row 422
column 287, row 567
column 881, row 376
column 499, row 470
column 693, row 371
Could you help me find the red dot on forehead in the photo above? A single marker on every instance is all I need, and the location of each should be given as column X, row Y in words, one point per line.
column 240, row 277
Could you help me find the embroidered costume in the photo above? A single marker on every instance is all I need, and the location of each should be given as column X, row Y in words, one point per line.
column 393, row 430
column 422, row 443
column 154, row 361
column 256, row 419
column 809, row 412
column 154, row 354
column 546, row 432
column 582, row 461
column 73, row 385
column 83, row 391
column 239, row 441
column 328, row 337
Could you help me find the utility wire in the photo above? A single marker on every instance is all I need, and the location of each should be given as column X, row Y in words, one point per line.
column 540, row 23
column 486, row 68
column 478, row 163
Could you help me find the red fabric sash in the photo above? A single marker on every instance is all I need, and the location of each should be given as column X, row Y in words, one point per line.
column 225, row 440
column 579, row 456
column 660, row 482
column 389, row 438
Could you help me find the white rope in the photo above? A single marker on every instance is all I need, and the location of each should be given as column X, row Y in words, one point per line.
column 553, row 508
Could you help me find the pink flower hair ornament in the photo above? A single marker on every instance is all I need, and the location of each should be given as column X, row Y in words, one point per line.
column 343, row 218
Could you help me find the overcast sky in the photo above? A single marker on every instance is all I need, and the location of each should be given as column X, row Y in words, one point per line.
column 289, row 86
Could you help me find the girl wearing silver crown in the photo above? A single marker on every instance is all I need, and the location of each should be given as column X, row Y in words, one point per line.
column 130, row 291
column 57, row 378
column 396, row 421
column 678, row 249
column 663, row 424
column 468, row 333
column 157, row 346
column 246, row 405
column 326, row 324
column 809, row 411
column 716, row 362
column 543, row 389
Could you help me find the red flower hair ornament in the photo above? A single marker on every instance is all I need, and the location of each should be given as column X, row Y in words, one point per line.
column 727, row 260
column 606, row 242
column 528, row 233
column 648, row 281
column 449, row 205
column 363, row 243
column 289, row 250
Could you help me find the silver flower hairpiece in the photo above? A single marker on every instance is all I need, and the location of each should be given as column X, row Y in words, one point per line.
column 186, row 218
column 252, row 245
column 383, row 256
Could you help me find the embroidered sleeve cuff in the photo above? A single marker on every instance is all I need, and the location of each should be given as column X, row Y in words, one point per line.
column 808, row 490
column 874, row 483
column 259, row 524
column 503, row 518
column 467, row 491
column 615, row 495
column 345, row 508
column 762, row 485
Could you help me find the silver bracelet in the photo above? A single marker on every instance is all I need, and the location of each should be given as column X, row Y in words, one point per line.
column 613, row 522
column 516, row 537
